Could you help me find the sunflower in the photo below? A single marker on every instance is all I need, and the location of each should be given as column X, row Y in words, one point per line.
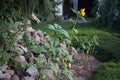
column 82, row 12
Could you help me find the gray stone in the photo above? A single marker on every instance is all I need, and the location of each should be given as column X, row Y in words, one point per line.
column 11, row 72
column 4, row 67
column 28, row 22
column 33, row 71
column 1, row 72
column 19, row 51
column 49, row 74
column 15, row 77
column 40, row 33
column 47, row 38
column 18, row 23
column 29, row 57
column 24, row 48
column 20, row 59
column 47, row 65
column 62, row 45
column 35, row 18
column 43, row 58
column 36, row 37
column 20, row 36
column 28, row 78
column 5, row 76
column 30, row 29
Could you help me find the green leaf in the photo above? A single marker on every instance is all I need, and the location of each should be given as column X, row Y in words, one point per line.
column 69, row 74
column 69, row 57
column 65, row 33
column 71, row 20
column 59, row 29
column 42, row 49
column 75, row 30
column 84, row 19
column 67, row 41
column 74, row 11
column 54, row 41
column 54, row 67
column 76, row 38
column 51, row 27
column 84, row 47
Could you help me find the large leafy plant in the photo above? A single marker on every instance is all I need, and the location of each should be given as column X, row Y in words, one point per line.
column 60, row 56
column 87, row 44
column 79, row 14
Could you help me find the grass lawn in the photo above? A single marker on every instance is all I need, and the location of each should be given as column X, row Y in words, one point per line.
column 109, row 41
column 107, row 71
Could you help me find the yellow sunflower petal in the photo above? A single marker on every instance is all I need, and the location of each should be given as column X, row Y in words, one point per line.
column 82, row 12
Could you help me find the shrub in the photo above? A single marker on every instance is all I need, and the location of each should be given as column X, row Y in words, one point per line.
column 108, row 49
column 108, row 13
column 109, row 41
column 107, row 71
column 8, row 37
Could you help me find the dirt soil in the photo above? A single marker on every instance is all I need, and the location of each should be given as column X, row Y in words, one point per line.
column 83, row 66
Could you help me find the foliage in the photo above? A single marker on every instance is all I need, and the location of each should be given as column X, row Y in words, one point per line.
column 108, row 13
column 86, row 44
column 62, row 58
column 58, row 57
column 109, row 40
column 107, row 71
column 8, row 35
column 79, row 14
column 47, row 9
column 109, row 47
column 28, row 42
column 58, row 28
column 4, row 57
column 18, row 8
column 23, row 8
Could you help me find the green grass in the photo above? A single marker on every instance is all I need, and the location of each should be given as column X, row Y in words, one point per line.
column 107, row 71
column 109, row 48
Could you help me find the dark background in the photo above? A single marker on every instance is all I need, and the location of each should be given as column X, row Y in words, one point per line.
column 87, row 4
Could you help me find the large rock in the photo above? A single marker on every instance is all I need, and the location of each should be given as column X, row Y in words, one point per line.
column 47, row 65
column 20, row 36
column 33, row 71
column 19, row 51
column 3, row 68
column 49, row 74
column 20, row 59
column 29, row 57
column 36, row 37
column 62, row 45
column 15, row 77
column 1, row 72
column 5, row 76
column 47, row 37
column 18, row 24
column 40, row 33
column 43, row 58
column 25, row 49
column 28, row 22
column 28, row 78
column 11, row 72
column 30, row 29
